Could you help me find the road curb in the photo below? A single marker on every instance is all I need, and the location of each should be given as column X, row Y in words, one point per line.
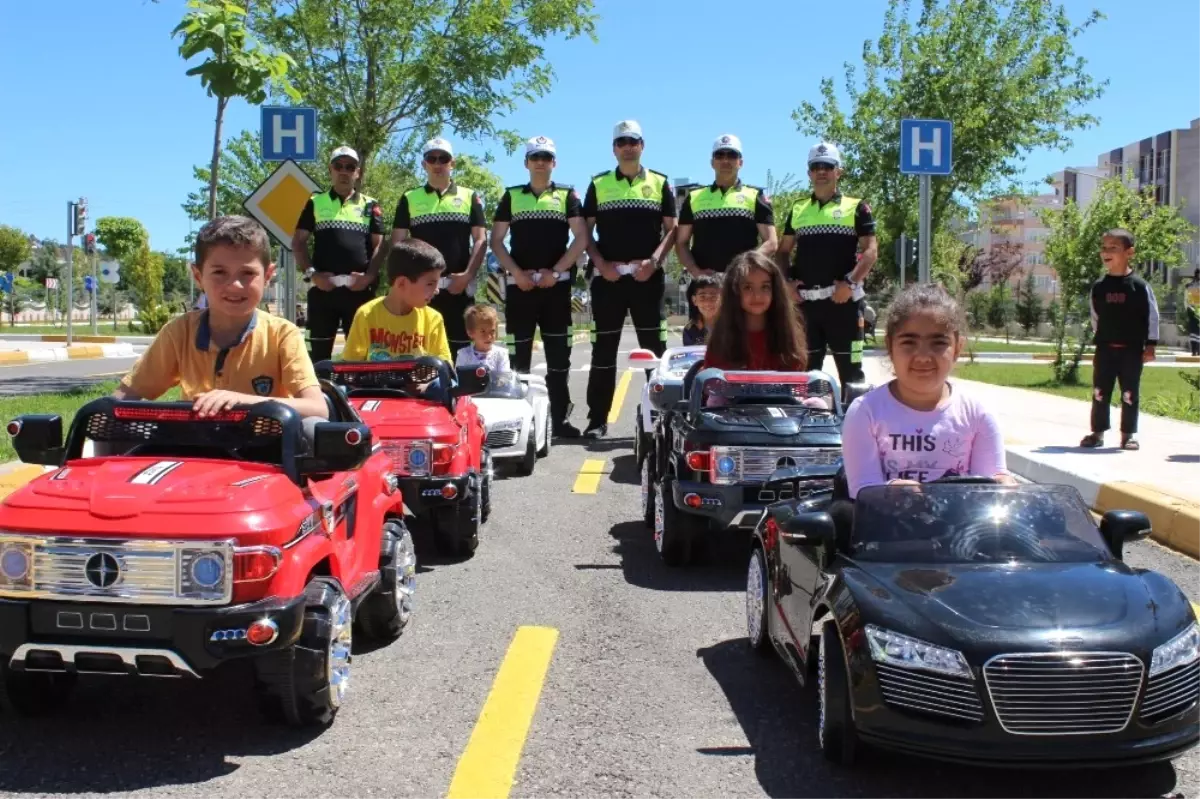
column 87, row 339
column 1175, row 521
column 71, row 353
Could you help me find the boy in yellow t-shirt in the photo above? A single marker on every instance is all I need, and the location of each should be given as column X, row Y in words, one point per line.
column 401, row 322
column 230, row 353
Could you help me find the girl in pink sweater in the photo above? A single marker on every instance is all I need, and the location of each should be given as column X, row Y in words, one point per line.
column 921, row 426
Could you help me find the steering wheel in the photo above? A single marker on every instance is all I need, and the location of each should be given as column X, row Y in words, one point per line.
column 965, row 480
column 690, row 378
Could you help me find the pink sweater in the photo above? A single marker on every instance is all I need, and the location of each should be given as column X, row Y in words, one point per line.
column 883, row 440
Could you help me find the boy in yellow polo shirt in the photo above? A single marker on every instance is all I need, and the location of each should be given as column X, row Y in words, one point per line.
column 230, row 353
column 401, row 322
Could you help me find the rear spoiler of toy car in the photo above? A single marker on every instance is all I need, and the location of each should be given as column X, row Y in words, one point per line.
column 643, row 358
column 388, row 379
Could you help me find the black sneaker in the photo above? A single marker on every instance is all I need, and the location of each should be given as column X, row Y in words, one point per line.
column 596, row 431
column 566, row 430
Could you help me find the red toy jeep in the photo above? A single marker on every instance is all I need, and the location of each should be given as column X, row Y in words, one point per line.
column 207, row 541
column 433, row 433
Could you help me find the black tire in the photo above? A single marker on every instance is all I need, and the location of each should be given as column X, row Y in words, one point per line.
column 758, row 602
column 649, row 489
column 526, row 465
column 386, row 612
column 835, row 720
column 37, row 693
column 485, row 487
column 458, row 525
column 545, row 450
column 305, row 684
column 639, row 448
column 673, row 531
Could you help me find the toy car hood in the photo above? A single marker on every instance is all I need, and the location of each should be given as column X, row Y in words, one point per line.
column 497, row 410
column 156, row 496
column 406, row 418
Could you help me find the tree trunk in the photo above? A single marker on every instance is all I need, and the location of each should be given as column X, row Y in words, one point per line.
column 216, row 159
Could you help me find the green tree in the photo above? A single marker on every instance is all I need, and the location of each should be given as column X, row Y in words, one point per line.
column 241, row 172
column 947, row 254
column 144, row 275
column 1000, row 307
column 978, row 307
column 391, row 72
column 1073, row 247
column 44, row 262
column 122, row 237
column 473, row 173
column 177, row 277
column 1029, row 305
column 237, row 66
column 1004, row 71
column 15, row 248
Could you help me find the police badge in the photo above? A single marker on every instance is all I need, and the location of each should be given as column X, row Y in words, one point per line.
column 262, row 385
column 646, row 192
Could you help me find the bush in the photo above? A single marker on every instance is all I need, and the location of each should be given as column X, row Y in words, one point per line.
column 979, row 305
column 153, row 318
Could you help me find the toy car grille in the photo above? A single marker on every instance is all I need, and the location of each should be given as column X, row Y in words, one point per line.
column 502, row 439
column 935, row 694
column 1066, row 693
column 1171, row 692
column 387, row 378
column 758, row 464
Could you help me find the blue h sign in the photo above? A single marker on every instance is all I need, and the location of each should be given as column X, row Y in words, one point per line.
column 925, row 146
column 289, row 133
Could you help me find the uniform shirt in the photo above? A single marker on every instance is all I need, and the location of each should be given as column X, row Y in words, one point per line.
column 450, row 237
column 269, row 360
column 338, row 250
column 883, row 439
column 626, row 235
column 717, row 240
column 823, row 257
column 537, row 241
column 1124, row 311
column 377, row 334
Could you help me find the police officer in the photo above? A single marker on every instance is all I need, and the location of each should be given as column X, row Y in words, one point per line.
column 825, row 233
column 633, row 211
column 722, row 220
column 449, row 217
column 346, row 227
column 539, row 216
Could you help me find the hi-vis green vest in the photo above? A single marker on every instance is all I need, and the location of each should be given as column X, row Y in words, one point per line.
column 352, row 214
column 736, row 202
column 618, row 194
column 634, row 208
column 831, row 251
column 550, row 204
column 426, row 206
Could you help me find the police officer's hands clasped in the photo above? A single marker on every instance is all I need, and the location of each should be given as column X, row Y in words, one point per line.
column 458, row 283
column 523, row 279
column 546, row 279
column 359, row 281
column 606, row 270
column 323, row 280
column 842, row 293
column 645, row 271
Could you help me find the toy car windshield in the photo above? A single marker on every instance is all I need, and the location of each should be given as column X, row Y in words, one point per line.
column 504, row 385
column 974, row 523
column 807, row 389
column 678, row 363
column 423, row 378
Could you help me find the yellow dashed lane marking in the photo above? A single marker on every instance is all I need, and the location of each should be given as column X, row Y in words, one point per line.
column 489, row 763
column 11, row 481
column 588, row 480
column 614, row 412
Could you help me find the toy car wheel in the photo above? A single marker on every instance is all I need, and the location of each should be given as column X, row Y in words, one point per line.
column 386, row 612
column 485, row 488
column 458, row 526
column 549, row 431
column 672, row 530
column 758, row 599
column 37, row 693
column 835, row 723
column 648, row 492
column 527, row 464
column 306, row 684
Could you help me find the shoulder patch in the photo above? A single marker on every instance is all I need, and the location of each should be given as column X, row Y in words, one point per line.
column 517, row 187
column 601, row 174
column 564, row 186
column 656, row 172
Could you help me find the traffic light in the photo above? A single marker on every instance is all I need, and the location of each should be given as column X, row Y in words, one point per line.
column 81, row 216
column 89, row 244
column 911, row 255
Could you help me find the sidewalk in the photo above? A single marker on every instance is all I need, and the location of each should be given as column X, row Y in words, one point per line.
column 17, row 352
column 1042, row 433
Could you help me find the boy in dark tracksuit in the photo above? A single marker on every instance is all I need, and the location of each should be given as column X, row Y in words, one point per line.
column 1125, row 317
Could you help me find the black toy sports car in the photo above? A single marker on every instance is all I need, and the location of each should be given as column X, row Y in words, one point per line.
column 970, row 621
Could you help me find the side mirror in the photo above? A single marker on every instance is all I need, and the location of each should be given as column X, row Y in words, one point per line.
column 1119, row 526
column 472, row 380
column 38, row 438
column 809, row 529
column 338, row 447
column 853, row 391
column 643, row 358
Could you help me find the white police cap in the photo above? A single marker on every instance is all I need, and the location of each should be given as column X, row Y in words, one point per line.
column 438, row 145
column 540, row 144
column 627, row 128
column 824, row 153
column 727, row 141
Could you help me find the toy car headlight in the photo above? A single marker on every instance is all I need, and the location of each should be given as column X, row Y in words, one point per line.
column 726, row 465
column 205, row 573
column 16, row 566
column 1181, row 650
column 899, row 650
column 419, row 456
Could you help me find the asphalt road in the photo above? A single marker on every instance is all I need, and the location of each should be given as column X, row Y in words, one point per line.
column 650, row 691
column 48, row 376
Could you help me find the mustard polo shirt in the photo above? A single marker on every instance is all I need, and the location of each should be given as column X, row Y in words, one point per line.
column 269, row 360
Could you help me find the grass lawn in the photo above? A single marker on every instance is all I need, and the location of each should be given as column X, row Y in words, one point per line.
column 105, row 328
column 984, row 347
column 1164, row 393
column 63, row 403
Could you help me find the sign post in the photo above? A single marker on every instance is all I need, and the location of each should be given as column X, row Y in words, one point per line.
column 277, row 204
column 926, row 150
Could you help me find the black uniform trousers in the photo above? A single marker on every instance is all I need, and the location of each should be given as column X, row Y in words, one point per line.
column 329, row 311
column 452, row 307
column 611, row 300
column 1193, row 329
column 838, row 328
column 549, row 309
column 1116, row 364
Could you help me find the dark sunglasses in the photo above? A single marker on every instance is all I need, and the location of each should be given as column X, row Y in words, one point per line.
column 727, row 155
column 627, row 141
column 821, row 167
column 344, row 166
column 540, row 157
column 439, row 158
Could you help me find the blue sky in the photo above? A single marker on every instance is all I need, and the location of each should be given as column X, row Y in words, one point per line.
column 106, row 111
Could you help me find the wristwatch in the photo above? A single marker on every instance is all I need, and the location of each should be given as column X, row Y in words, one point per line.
column 308, row 273
column 850, row 281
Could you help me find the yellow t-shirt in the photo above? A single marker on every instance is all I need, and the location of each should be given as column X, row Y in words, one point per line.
column 377, row 334
column 270, row 360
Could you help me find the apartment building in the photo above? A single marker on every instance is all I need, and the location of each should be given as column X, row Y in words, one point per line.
column 1017, row 221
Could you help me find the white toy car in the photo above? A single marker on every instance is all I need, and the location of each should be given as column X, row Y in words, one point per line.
column 664, row 388
column 516, row 415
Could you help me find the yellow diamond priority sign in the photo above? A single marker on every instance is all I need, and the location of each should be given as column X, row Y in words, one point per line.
column 277, row 203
